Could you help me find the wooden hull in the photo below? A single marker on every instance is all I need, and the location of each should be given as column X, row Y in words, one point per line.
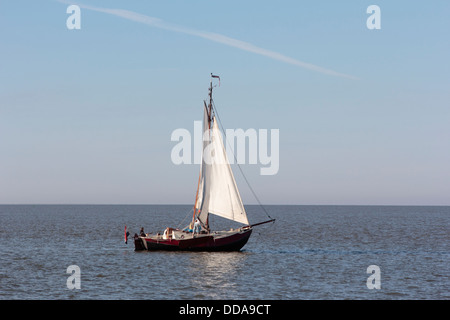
column 222, row 241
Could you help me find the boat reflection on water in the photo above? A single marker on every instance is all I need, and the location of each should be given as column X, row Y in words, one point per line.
column 218, row 271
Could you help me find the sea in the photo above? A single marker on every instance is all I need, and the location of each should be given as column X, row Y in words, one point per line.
column 78, row 252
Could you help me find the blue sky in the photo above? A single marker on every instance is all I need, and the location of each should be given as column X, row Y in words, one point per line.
column 86, row 115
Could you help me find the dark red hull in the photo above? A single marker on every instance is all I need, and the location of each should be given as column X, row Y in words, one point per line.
column 210, row 242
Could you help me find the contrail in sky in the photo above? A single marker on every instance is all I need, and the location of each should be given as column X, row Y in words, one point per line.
column 216, row 37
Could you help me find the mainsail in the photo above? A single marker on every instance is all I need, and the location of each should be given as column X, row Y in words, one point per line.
column 217, row 191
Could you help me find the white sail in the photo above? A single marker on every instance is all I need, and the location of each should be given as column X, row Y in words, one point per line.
column 220, row 195
column 199, row 199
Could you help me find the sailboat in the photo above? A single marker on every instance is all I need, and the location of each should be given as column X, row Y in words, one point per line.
column 217, row 194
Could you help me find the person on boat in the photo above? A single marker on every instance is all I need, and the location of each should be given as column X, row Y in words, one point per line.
column 197, row 226
column 142, row 233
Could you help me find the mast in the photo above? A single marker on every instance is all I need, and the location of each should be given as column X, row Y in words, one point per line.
column 217, row 192
column 211, row 117
column 209, row 111
column 210, row 108
column 210, row 101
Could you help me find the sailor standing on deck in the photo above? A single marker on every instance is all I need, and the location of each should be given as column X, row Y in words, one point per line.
column 197, row 226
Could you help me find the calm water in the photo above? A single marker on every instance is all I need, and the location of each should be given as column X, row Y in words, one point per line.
column 311, row 252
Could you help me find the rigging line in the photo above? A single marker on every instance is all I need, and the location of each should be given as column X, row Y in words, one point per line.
column 187, row 214
column 235, row 159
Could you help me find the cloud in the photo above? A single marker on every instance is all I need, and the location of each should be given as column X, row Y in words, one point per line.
column 216, row 37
